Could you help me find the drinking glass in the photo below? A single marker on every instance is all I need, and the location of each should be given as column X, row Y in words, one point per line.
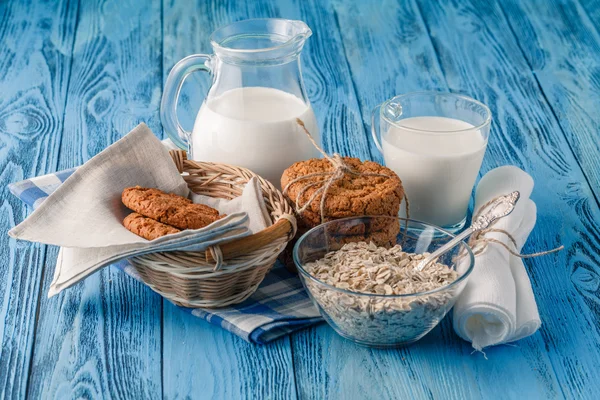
column 435, row 142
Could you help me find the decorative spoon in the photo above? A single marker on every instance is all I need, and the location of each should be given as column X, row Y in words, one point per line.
column 499, row 208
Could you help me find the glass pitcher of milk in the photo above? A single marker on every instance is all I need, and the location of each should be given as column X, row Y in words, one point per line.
column 435, row 142
column 248, row 117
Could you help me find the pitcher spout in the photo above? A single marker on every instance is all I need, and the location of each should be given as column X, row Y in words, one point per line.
column 301, row 31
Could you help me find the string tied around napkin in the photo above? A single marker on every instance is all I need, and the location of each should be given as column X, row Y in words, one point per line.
column 479, row 241
column 340, row 169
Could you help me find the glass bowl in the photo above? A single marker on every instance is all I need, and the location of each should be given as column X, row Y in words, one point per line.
column 379, row 320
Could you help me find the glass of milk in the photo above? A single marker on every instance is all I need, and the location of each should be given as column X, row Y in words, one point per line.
column 435, row 142
column 249, row 116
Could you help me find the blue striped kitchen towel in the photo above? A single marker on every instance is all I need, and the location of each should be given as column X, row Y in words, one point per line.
column 279, row 307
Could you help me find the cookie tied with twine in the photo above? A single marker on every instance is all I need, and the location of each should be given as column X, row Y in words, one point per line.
column 337, row 187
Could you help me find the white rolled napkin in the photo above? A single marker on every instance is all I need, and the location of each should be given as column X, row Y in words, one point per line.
column 497, row 304
column 84, row 215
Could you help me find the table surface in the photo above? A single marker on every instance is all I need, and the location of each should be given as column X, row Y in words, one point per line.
column 76, row 75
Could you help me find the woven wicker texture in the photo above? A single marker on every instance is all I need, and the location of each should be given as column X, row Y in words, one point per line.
column 225, row 274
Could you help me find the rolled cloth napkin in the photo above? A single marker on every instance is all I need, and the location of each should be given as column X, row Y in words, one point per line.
column 84, row 215
column 497, row 304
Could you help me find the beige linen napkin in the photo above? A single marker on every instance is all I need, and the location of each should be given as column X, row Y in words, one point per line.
column 84, row 215
column 75, row 264
column 86, row 210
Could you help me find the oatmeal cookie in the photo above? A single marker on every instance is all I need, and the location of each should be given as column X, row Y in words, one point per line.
column 147, row 227
column 382, row 231
column 169, row 208
column 310, row 219
column 347, row 197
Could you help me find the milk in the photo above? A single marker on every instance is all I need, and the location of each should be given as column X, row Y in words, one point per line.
column 438, row 171
column 256, row 128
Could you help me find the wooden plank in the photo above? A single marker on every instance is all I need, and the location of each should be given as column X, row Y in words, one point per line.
column 207, row 362
column 35, row 64
column 201, row 360
column 562, row 47
column 385, row 38
column 102, row 338
column 592, row 8
column 526, row 133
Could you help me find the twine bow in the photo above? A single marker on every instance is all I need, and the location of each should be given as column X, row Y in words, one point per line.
column 479, row 241
column 340, row 168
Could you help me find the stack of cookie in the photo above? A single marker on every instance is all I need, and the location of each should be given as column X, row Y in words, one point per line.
column 157, row 213
column 365, row 188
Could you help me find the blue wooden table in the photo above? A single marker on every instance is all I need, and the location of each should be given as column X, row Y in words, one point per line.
column 75, row 75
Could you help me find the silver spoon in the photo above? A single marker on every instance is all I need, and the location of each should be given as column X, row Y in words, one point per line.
column 500, row 208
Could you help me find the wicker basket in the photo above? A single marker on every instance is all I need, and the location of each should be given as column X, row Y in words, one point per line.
column 226, row 274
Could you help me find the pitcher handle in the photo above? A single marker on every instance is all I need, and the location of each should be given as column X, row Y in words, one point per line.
column 375, row 125
column 170, row 97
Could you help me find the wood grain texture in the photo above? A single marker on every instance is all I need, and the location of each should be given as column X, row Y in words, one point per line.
column 389, row 53
column 592, row 9
column 562, row 47
column 206, row 362
column 102, row 338
column 31, row 108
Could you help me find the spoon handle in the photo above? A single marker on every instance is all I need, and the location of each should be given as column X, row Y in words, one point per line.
column 499, row 208
column 445, row 248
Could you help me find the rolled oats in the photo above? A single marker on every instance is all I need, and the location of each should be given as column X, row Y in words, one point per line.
column 365, row 268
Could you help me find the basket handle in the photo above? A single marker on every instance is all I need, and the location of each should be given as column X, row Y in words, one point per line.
column 254, row 242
